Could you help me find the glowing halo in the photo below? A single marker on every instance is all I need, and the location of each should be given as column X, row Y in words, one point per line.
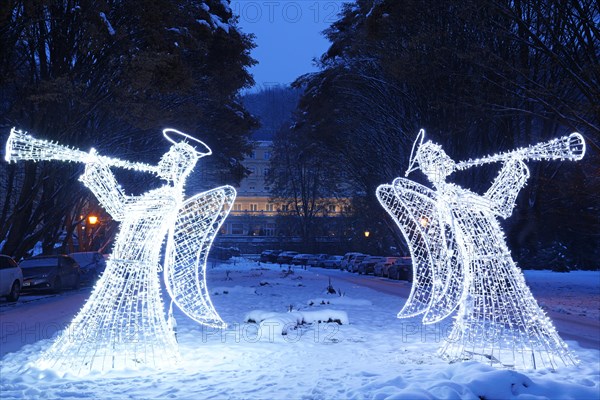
column 186, row 137
column 413, row 152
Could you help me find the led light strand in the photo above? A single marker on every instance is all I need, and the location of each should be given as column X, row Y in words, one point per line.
column 123, row 323
column 461, row 260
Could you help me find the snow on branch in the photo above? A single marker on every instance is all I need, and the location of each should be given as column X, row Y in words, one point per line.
column 111, row 30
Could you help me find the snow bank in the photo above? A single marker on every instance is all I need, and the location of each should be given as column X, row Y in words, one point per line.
column 472, row 380
column 342, row 300
column 284, row 322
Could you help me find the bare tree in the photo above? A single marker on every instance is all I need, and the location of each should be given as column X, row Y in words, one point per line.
column 303, row 180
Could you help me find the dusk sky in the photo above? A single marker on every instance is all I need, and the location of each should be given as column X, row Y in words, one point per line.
column 288, row 35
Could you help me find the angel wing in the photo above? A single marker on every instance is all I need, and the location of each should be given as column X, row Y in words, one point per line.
column 437, row 268
column 189, row 242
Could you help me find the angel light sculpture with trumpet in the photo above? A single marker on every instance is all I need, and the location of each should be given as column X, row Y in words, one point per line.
column 461, row 260
column 123, row 323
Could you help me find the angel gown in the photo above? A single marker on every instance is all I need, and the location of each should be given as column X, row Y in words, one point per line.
column 123, row 323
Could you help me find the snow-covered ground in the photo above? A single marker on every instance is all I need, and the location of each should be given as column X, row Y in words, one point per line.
column 371, row 354
column 576, row 293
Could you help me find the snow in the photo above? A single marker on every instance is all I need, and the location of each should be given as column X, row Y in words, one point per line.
column 347, row 301
column 283, row 323
column 111, row 30
column 235, row 289
column 203, row 22
column 370, row 355
column 570, row 288
column 216, row 20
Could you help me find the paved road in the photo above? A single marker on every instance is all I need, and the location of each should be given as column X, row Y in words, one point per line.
column 586, row 331
column 36, row 317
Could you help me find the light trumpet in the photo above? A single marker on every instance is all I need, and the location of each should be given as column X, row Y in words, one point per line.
column 570, row 147
column 21, row 146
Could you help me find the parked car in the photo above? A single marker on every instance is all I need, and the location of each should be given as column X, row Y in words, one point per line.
column 52, row 273
column 92, row 265
column 332, row 262
column 301, row 259
column 223, row 253
column 11, row 278
column 367, row 266
column 285, row 257
column 355, row 262
column 381, row 268
column 269, row 256
column 348, row 258
column 318, row 259
column 401, row 269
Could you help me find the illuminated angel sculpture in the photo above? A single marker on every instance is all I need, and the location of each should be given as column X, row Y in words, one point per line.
column 461, row 260
column 123, row 323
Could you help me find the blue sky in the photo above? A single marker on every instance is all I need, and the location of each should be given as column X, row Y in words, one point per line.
column 288, row 35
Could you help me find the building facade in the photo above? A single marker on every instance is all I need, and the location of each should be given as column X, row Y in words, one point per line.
column 256, row 222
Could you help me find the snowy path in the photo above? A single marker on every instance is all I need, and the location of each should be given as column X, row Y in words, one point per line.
column 583, row 326
column 374, row 356
column 37, row 317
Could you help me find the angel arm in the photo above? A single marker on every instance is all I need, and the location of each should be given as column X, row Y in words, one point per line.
column 101, row 181
column 506, row 187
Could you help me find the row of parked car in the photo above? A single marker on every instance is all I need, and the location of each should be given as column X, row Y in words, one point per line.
column 399, row 268
column 48, row 273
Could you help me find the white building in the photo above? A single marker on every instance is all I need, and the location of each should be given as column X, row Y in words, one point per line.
column 252, row 224
column 252, row 213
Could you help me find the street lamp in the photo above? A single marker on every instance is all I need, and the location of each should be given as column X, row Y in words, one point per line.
column 92, row 220
column 367, row 233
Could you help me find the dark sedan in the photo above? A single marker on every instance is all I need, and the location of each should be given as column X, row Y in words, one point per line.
column 401, row 269
column 286, row 257
column 269, row 256
column 52, row 273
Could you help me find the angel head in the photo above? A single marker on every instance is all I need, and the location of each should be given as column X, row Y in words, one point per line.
column 176, row 164
column 430, row 158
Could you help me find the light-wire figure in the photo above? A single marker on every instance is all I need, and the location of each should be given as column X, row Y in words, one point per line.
column 123, row 325
column 461, row 261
